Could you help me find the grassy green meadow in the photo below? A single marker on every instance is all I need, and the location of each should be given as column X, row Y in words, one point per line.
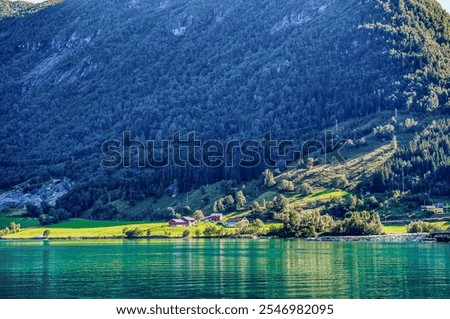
column 24, row 222
column 401, row 228
column 83, row 228
column 99, row 229
column 88, row 228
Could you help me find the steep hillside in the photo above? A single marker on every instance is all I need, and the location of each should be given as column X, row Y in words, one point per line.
column 21, row 8
column 81, row 72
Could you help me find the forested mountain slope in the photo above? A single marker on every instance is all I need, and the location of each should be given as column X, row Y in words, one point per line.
column 21, row 8
column 81, row 72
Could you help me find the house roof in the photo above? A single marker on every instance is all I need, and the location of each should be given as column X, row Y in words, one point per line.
column 217, row 214
column 177, row 221
column 188, row 218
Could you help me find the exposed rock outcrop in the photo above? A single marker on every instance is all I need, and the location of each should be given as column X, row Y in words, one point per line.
column 47, row 193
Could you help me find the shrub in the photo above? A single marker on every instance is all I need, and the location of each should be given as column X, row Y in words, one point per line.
column 361, row 142
column 351, row 144
column 133, row 233
column 229, row 201
column 421, row 227
column 14, row 228
column 242, row 227
column 198, row 215
column 269, row 181
column 309, row 162
column 5, row 231
column 297, row 223
column 359, row 224
column 258, row 226
column 186, row 233
column 410, row 123
column 224, row 204
column 210, row 231
column 45, row 219
column 305, row 189
column 170, row 213
column 241, row 201
column 339, row 182
column 286, row 186
column 385, row 131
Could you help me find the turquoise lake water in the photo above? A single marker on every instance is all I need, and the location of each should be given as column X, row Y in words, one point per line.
column 223, row 269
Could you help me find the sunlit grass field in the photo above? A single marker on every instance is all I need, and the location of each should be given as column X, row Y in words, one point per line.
column 103, row 229
column 401, row 229
column 99, row 229
column 394, row 229
column 327, row 194
column 317, row 196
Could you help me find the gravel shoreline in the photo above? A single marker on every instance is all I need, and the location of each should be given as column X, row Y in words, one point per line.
column 373, row 238
column 376, row 238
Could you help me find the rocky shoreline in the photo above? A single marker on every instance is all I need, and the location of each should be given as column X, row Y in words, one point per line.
column 373, row 238
column 377, row 238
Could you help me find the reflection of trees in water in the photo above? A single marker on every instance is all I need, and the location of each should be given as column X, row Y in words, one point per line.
column 223, row 268
column 45, row 291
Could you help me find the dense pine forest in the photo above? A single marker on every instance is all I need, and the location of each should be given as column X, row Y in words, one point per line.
column 422, row 165
column 77, row 73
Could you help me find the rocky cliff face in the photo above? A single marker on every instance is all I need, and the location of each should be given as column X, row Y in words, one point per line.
column 47, row 193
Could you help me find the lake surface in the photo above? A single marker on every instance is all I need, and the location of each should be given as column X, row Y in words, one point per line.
column 223, row 269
